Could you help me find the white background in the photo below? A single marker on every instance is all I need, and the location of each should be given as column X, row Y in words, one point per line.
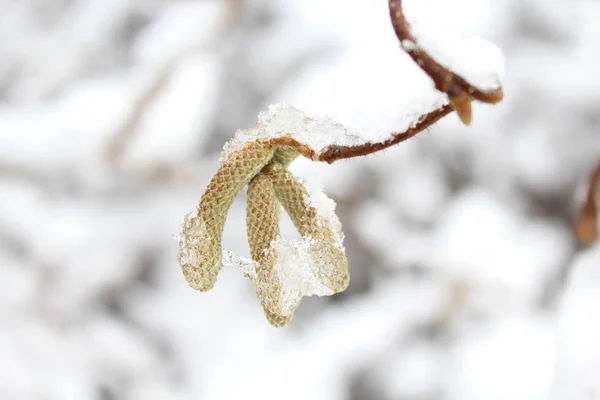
column 466, row 279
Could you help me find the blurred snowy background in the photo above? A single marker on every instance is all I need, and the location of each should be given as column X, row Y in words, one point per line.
column 466, row 280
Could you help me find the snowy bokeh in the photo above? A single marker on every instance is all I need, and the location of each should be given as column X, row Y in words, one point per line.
column 466, row 281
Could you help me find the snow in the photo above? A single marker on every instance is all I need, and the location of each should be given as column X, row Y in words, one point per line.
column 466, row 281
column 304, row 265
column 579, row 330
column 247, row 266
column 477, row 60
column 510, row 358
column 299, row 272
column 475, row 227
column 285, row 120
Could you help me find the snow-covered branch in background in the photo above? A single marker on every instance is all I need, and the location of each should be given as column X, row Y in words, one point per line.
column 589, row 221
column 283, row 271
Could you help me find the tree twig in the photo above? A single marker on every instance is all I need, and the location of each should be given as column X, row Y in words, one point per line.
column 457, row 88
column 460, row 93
column 334, row 152
column 587, row 223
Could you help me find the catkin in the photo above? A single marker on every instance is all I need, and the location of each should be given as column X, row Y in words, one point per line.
column 262, row 227
column 200, row 243
column 326, row 239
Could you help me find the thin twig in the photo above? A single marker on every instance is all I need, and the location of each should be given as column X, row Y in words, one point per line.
column 334, row 152
column 234, row 14
column 117, row 145
column 459, row 91
column 457, row 88
column 587, row 223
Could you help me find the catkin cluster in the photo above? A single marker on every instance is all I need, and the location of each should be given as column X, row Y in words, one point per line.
column 318, row 262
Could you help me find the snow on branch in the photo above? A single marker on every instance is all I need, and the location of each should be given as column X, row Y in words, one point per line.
column 480, row 61
column 283, row 271
column 588, row 223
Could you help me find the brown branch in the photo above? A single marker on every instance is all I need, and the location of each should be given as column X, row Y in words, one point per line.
column 457, row 88
column 334, row 152
column 117, row 145
column 587, row 223
column 234, row 14
column 459, row 91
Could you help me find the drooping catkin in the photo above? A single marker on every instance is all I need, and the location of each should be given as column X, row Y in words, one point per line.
column 200, row 242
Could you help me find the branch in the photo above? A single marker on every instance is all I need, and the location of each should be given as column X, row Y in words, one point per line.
column 334, row 152
column 587, row 223
column 459, row 91
column 117, row 145
column 445, row 80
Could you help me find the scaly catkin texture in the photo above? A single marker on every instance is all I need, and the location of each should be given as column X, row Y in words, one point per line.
column 200, row 244
column 324, row 232
column 284, row 270
column 262, row 227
